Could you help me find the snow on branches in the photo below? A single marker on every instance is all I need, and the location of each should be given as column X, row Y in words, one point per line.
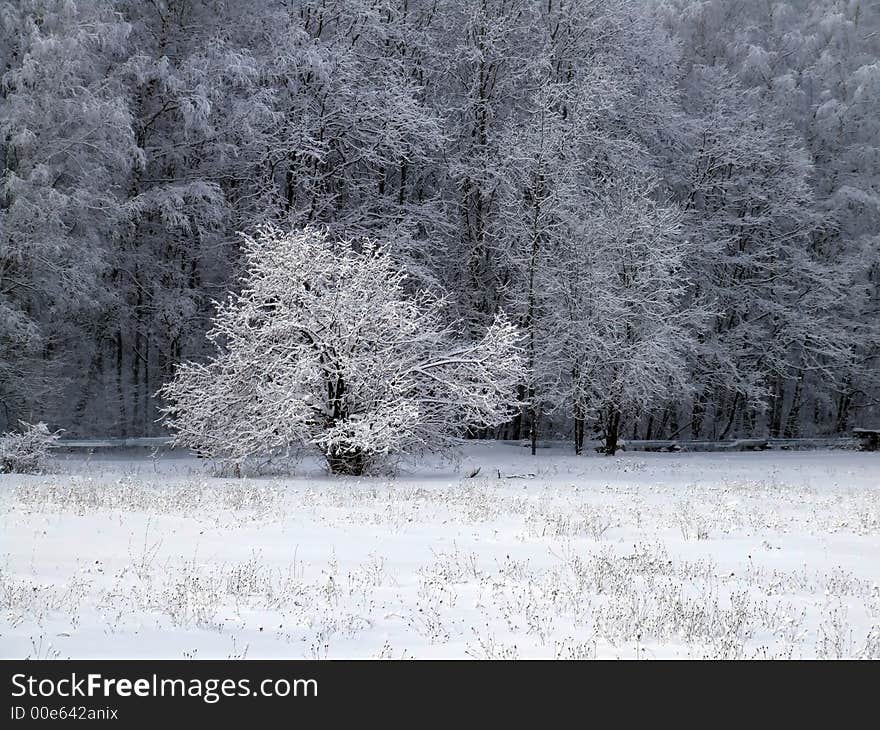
column 325, row 348
column 26, row 451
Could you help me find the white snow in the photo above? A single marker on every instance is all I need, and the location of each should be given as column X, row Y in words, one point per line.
column 772, row 554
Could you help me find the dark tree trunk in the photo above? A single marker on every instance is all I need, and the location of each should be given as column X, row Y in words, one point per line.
column 533, row 422
column 776, row 410
column 734, row 409
column 792, row 423
column 347, row 463
column 120, row 386
column 147, row 396
column 699, row 412
column 673, row 420
column 136, row 360
column 95, row 369
column 843, row 407
column 578, row 428
column 612, row 432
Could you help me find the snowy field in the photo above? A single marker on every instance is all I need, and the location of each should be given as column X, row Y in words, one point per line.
column 773, row 554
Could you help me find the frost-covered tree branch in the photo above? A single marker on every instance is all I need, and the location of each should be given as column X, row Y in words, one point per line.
column 324, row 349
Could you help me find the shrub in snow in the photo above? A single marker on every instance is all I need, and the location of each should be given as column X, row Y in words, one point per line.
column 25, row 452
column 323, row 348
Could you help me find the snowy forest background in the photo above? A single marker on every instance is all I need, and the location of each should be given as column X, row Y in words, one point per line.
column 678, row 202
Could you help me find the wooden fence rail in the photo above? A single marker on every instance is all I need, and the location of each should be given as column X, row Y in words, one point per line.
column 164, row 443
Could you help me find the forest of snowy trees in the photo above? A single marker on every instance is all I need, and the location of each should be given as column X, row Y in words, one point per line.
column 676, row 202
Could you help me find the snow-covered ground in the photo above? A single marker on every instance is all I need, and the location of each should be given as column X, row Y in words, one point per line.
column 773, row 554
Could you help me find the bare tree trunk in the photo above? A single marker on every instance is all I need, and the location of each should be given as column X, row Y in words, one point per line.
column 531, row 318
column 350, row 463
column 96, row 369
column 612, row 432
column 673, row 420
column 792, row 423
column 533, row 422
column 843, row 407
column 776, row 410
column 734, row 409
column 136, row 378
column 120, row 387
column 578, row 428
column 697, row 415
column 148, row 396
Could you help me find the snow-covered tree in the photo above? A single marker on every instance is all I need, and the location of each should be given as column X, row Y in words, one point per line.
column 66, row 147
column 579, row 132
column 812, row 64
column 629, row 315
column 749, row 211
column 26, row 451
column 472, row 137
column 323, row 348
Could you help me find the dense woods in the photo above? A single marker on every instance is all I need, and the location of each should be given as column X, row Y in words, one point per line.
column 677, row 203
